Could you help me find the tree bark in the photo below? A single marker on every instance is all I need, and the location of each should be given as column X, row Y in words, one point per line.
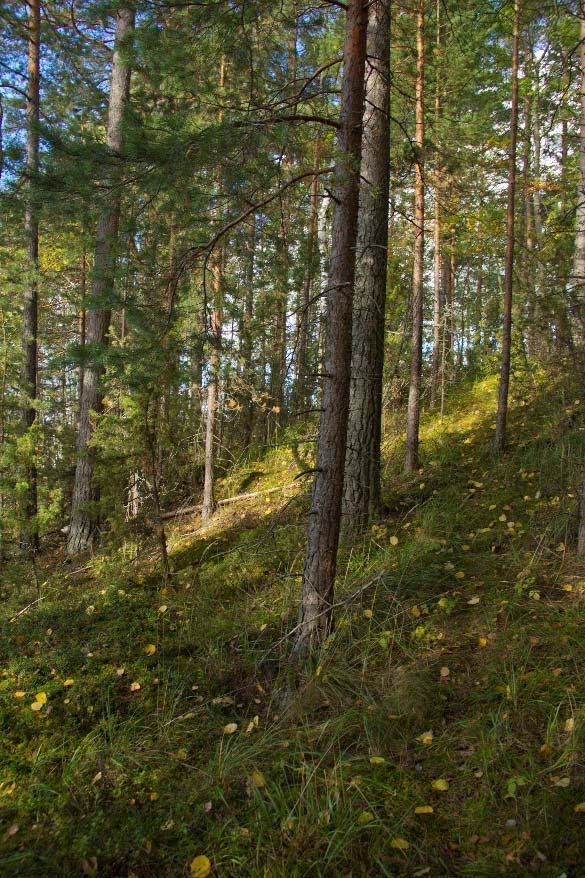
column 437, row 288
column 85, row 495
column 30, row 534
column 208, row 507
column 300, row 395
column 502, row 412
column 316, row 610
column 362, row 491
column 413, row 415
column 578, row 278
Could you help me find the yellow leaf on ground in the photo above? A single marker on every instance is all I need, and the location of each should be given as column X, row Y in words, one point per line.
column 401, row 844
column 368, row 614
column 445, row 672
column 41, row 697
column 441, row 785
column 163, row 608
column 483, row 641
column 19, row 694
column 426, row 738
column 200, row 867
column 36, row 706
column 134, row 687
column 68, row 682
column 424, row 809
column 150, row 649
column 230, row 728
column 393, row 541
column 580, row 808
column 365, row 817
column 377, row 760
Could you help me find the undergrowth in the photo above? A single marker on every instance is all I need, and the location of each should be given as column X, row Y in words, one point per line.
column 439, row 732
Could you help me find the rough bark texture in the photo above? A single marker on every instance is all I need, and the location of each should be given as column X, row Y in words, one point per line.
column 30, row 537
column 362, row 493
column 437, row 289
column 213, row 388
column 215, row 356
column 501, row 416
column 300, row 393
column 413, row 416
column 83, row 512
column 578, row 278
column 316, row 611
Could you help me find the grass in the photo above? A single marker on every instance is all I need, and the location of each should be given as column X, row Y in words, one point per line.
column 458, row 657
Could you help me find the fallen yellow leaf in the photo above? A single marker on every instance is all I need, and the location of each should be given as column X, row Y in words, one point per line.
column 134, row 687
column 377, row 760
column 441, row 785
column 200, row 867
column 41, row 697
column 580, row 808
column 230, row 728
column 68, row 682
column 150, row 649
column 365, row 817
column 19, row 694
column 401, row 844
column 424, row 809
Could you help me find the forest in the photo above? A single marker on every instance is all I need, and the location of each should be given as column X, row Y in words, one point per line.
column 292, row 438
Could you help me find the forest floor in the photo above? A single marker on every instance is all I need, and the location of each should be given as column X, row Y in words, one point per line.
column 441, row 731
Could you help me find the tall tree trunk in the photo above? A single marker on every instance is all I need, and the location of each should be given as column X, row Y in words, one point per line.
column 208, row 506
column 85, row 496
column 527, row 259
column 437, row 289
column 246, row 341
column 413, row 415
column 362, row 492
column 578, row 278
column 501, row 416
column 30, row 534
column 316, row 610
column 300, row 396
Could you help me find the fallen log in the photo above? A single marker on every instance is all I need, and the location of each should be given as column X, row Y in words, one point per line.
column 189, row 510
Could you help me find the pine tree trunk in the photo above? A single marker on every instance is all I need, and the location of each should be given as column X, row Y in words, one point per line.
column 362, row 492
column 246, row 340
column 85, row 495
column 437, row 290
column 300, row 395
column 316, row 610
column 413, row 414
column 208, row 506
column 502, row 413
column 30, row 534
column 578, row 278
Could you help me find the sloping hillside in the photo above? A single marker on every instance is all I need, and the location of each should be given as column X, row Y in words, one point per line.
column 441, row 731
